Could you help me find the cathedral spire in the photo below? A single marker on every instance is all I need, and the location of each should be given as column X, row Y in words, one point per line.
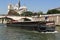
column 19, row 3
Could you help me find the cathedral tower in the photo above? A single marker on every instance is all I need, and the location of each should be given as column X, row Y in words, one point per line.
column 19, row 3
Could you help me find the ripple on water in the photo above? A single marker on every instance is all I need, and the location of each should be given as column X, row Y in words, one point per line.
column 15, row 33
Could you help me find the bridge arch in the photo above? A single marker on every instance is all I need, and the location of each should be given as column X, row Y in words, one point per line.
column 7, row 18
column 20, row 17
column 25, row 19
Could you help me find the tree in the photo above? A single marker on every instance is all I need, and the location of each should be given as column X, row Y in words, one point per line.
column 53, row 11
column 28, row 13
column 39, row 13
column 13, row 13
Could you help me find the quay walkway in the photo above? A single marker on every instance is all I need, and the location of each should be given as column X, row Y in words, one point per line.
column 51, row 17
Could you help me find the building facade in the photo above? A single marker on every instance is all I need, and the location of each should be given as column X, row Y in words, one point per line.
column 18, row 8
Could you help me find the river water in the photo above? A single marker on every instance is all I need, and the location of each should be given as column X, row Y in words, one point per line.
column 15, row 33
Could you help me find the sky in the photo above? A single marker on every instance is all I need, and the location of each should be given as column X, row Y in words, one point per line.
column 32, row 5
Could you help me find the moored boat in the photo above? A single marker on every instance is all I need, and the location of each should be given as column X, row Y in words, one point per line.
column 41, row 26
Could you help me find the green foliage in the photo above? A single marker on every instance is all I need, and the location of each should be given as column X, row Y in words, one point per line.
column 53, row 11
column 28, row 13
column 13, row 13
column 39, row 13
column 17, row 14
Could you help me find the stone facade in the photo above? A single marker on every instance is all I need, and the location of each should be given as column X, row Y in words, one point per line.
column 17, row 8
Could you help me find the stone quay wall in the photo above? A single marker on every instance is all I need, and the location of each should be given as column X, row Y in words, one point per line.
column 51, row 17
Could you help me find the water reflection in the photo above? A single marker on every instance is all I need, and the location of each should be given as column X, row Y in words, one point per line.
column 15, row 33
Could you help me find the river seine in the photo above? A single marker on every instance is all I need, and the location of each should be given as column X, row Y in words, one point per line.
column 15, row 33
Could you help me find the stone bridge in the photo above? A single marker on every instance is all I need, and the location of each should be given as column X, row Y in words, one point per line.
column 21, row 17
column 51, row 17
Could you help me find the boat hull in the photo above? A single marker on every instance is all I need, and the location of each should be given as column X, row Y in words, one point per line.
column 36, row 26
